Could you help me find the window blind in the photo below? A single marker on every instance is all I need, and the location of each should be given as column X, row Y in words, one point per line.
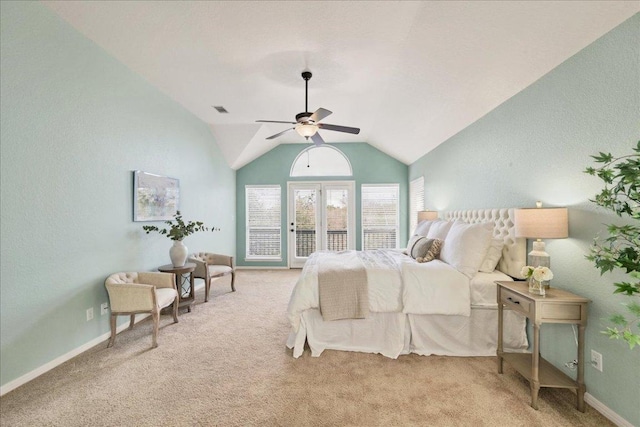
column 380, row 222
column 416, row 201
column 263, row 221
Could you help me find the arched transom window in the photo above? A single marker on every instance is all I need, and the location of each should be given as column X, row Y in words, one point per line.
column 325, row 160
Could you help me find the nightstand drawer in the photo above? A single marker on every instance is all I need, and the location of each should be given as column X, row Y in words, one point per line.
column 516, row 302
column 559, row 312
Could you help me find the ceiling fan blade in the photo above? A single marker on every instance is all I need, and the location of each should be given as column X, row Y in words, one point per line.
column 275, row 121
column 338, row 128
column 317, row 139
column 280, row 133
column 320, row 114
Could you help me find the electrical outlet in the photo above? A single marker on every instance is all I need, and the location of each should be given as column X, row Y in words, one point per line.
column 596, row 360
column 104, row 308
column 89, row 314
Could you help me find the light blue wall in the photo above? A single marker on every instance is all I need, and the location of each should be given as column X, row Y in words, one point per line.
column 370, row 166
column 75, row 123
column 535, row 147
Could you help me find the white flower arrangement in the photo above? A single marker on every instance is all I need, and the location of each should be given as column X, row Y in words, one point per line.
column 539, row 274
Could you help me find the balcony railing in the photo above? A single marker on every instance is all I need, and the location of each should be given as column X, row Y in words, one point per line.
column 337, row 240
column 306, row 241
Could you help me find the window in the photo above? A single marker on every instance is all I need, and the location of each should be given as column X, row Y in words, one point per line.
column 325, row 160
column 416, row 201
column 263, row 222
column 380, row 223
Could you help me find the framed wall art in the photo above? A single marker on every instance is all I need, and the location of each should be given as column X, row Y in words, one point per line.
column 155, row 197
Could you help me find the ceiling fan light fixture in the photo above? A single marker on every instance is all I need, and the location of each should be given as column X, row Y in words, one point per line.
column 306, row 129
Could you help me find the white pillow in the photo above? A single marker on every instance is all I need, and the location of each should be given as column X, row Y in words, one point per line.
column 439, row 229
column 466, row 246
column 494, row 253
column 423, row 227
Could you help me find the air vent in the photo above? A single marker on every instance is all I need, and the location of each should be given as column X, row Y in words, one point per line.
column 221, row 109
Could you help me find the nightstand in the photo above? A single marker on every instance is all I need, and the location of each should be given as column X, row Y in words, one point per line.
column 557, row 306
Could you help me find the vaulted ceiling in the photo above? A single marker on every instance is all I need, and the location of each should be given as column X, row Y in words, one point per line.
column 409, row 74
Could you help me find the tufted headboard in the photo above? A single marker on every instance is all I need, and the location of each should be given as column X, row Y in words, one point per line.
column 514, row 252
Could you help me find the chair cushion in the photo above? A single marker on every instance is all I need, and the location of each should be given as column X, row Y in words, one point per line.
column 165, row 296
column 219, row 270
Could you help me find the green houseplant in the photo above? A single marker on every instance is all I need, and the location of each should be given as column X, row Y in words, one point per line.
column 621, row 249
column 177, row 229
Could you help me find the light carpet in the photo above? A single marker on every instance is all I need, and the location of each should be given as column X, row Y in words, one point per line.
column 226, row 364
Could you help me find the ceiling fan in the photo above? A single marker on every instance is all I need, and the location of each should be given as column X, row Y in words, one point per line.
column 307, row 124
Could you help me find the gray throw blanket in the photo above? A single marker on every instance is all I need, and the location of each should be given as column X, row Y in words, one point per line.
column 342, row 287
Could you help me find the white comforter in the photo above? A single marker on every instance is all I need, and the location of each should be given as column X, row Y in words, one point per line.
column 435, row 288
column 396, row 284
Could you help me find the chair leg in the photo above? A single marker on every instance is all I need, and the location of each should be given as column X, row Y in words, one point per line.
column 156, row 321
column 132, row 321
column 175, row 310
column 233, row 281
column 207, row 287
column 113, row 330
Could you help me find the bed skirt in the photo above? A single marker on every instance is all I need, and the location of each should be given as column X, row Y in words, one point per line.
column 393, row 334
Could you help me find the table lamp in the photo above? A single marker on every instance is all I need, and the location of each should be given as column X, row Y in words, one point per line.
column 427, row 215
column 541, row 223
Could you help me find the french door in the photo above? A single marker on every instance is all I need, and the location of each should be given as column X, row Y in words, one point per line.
column 321, row 217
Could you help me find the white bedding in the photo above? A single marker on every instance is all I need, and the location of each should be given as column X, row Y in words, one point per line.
column 484, row 291
column 383, row 275
column 397, row 284
column 435, row 288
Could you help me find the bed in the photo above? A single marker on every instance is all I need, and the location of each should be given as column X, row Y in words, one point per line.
column 442, row 307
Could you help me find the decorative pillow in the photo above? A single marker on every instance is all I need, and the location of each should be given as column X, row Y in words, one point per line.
column 439, row 229
column 432, row 252
column 494, row 253
column 421, row 247
column 423, row 227
column 412, row 242
column 466, row 246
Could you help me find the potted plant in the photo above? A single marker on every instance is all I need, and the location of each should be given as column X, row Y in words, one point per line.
column 177, row 230
column 621, row 250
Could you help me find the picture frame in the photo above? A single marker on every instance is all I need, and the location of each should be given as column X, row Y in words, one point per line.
column 155, row 197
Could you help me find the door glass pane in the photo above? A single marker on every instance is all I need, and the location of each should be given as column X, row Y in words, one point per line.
column 305, row 222
column 337, row 219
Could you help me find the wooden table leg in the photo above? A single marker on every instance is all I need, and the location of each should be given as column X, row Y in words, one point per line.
column 581, row 387
column 535, row 364
column 192, row 290
column 500, row 326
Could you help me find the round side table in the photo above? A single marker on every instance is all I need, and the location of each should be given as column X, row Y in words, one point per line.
column 187, row 295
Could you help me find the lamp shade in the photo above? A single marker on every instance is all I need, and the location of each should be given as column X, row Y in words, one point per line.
column 427, row 215
column 542, row 223
column 306, row 129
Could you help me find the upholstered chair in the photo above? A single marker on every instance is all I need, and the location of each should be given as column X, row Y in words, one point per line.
column 209, row 266
column 133, row 293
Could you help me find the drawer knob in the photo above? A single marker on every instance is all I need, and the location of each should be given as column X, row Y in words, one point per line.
column 513, row 301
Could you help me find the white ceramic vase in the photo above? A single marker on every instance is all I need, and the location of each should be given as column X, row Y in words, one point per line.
column 178, row 253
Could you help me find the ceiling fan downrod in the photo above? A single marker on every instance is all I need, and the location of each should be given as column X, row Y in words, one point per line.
column 306, row 75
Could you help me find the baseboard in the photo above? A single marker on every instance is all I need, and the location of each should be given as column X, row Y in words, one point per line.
column 606, row 411
column 12, row 385
column 253, row 267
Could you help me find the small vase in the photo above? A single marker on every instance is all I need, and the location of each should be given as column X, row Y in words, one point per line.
column 536, row 287
column 178, row 253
